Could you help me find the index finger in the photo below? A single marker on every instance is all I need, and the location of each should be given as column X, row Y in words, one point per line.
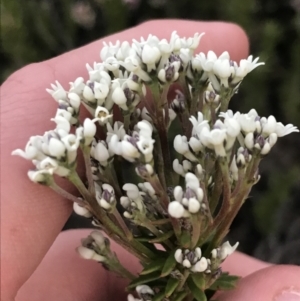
column 32, row 216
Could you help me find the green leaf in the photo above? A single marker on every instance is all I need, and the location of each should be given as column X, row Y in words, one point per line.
column 162, row 238
column 199, row 280
column 225, row 282
column 154, row 266
column 198, row 294
column 169, row 265
column 180, row 296
column 142, row 279
column 185, row 239
column 171, row 286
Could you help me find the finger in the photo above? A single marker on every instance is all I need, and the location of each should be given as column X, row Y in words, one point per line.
column 63, row 275
column 242, row 265
column 31, row 215
column 274, row 283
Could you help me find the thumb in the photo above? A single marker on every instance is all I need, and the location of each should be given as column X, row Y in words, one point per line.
column 275, row 283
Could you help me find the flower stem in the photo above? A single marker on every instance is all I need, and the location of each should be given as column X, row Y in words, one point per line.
column 186, row 274
column 160, row 101
column 65, row 194
column 110, row 228
column 88, row 168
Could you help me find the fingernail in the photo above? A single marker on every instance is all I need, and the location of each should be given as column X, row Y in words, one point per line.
column 288, row 296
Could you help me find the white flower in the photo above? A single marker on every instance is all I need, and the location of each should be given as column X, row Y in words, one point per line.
column 102, row 115
column 52, row 166
column 247, row 122
column 178, row 255
column 144, row 289
column 182, row 147
column 188, row 202
column 89, row 130
column 169, row 73
column 266, row 148
column 132, row 190
column 101, row 90
column 176, row 210
column 249, row 140
column 146, row 146
column 77, row 86
column 191, row 259
column 131, row 298
column 99, row 238
column 226, row 249
column 117, row 130
column 56, row 148
column 193, row 205
column 183, row 168
column 109, row 50
column 57, row 91
column 106, row 198
column 145, row 128
column 88, row 94
column 214, row 139
column 74, row 100
column 115, row 145
column 200, row 266
column 128, row 150
column 100, row 153
column 123, row 51
column 32, row 149
column 87, row 253
column 245, row 67
column 39, row 176
column 234, row 169
column 82, row 211
column 119, row 98
column 72, row 143
column 268, row 125
column 223, row 69
column 62, row 119
column 111, row 64
column 150, row 56
column 207, row 62
column 283, row 130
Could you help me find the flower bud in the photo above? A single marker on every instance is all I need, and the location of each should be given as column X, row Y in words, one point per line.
column 80, row 210
column 176, row 210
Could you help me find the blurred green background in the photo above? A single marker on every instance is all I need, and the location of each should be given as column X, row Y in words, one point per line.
column 269, row 224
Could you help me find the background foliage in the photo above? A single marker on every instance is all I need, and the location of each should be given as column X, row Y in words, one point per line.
column 269, row 224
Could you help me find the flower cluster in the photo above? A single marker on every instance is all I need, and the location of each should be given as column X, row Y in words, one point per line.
column 166, row 162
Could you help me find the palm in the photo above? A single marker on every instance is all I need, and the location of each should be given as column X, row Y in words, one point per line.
column 32, row 217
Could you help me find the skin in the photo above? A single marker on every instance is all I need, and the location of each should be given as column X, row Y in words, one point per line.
column 37, row 261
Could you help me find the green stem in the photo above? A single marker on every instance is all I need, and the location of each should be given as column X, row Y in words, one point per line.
column 226, row 203
column 65, row 194
column 115, row 266
column 160, row 101
column 76, row 180
column 110, row 228
column 122, row 224
column 197, row 229
column 225, row 96
column 126, row 117
column 217, row 190
column 112, row 179
column 88, row 168
column 186, row 274
column 145, row 223
column 160, row 162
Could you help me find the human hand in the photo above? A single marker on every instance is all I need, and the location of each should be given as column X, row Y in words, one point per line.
column 32, row 216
